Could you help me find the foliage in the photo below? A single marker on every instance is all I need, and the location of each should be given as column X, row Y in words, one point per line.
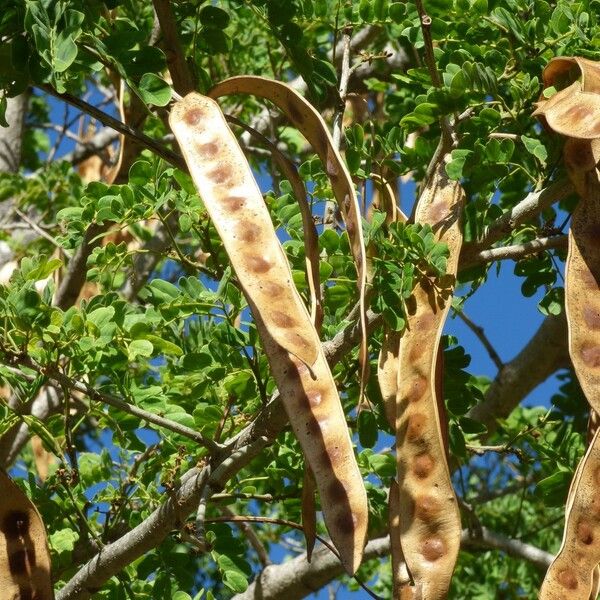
column 182, row 343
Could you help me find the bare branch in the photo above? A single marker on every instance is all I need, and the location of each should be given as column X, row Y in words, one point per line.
column 140, row 138
column 533, row 204
column 515, row 252
column 485, row 342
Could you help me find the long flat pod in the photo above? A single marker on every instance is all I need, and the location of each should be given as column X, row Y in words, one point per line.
column 571, row 576
column 24, row 555
column 308, row 121
column 430, row 535
column 234, row 202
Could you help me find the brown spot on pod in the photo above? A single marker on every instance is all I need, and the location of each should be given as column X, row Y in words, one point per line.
column 567, row 579
column 193, row 116
column 337, row 492
column 331, row 165
column 346, row 523
column 433, row 548
column 208, row 150
column 234, row 203
column 282, row 319
column 314, row 397
column 271, row 288
column 590, row 355
column 585, row 533
column 591, row 317
column 221, row 174
column 258, row 264
column 248, row 232
column 416, row 425
column 332, row 456
column 437, row 212
column 350, row 228
column 17, row 562
column 15, row 524
column 423, row 465
column 426, row 507
column 416, row 389
column 294, row 114
column 588, row 280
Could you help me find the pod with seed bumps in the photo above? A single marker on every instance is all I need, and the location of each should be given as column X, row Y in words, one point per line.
column 430, row 533
column 233, row 200
column 575, row 112
column 24, row 555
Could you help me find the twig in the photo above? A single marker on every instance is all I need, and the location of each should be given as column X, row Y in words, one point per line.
column 338, row 118
column 533, row 204
column 515, row 252
column 480, row 333
column 499, row 449
column 429, row 57
column 59, row 379
column 141, row 138
column 263, row 555
column 43, row 233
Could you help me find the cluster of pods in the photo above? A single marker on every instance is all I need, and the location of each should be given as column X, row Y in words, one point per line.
column 425, row 522
column 423, row 506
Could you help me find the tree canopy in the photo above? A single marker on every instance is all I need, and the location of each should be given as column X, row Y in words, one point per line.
column 142, row 408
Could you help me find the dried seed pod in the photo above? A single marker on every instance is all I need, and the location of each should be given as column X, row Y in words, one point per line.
column 24, row 555
column 387, row 373
column 571, row 574
column 431, row 535
column 309, row 511
column 310, row 123
column 402, row 590
column 316, row 415
column 234, row 202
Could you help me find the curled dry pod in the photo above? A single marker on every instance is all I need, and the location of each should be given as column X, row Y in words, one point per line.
column 309, row 511
column 431, row 529
column 24, row 555
column 310, row 123
column 232, row 198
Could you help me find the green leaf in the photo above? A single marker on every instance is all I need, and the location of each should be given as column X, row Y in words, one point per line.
column 535, row 147
column 212, row 16
column 139, row 348
column 65, row 52
column 154, row 90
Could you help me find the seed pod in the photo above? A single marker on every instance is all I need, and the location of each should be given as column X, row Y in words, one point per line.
column 571, row 574
column 232, row 198
column 24, row 555
column 431, row 535
column 575, row 112
column 309, row 511
column 310, row 123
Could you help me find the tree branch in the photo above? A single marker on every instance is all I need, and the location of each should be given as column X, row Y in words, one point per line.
column 515, row 252
column 183, row 79
column 545, row 352
column 298, row 579
column 141, row 138
column 533, row 204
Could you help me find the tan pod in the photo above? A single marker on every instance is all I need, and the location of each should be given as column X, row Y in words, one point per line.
column 24, row 555
column 310, row 123
column 234, row 202
column 430, row 533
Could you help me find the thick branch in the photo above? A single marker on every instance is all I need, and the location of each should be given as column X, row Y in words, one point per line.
column 545, row 352
column 183, row 80
column 298, row 579
column 11, row 137
column 533, row 204
column 515, row 252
